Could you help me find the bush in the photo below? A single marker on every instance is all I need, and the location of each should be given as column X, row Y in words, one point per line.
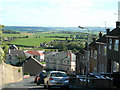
column 19, row 70
column 26, row 73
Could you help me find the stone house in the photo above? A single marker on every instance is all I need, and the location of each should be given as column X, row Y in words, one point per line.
column 64, row 61
column 101, row 54
column 14, row 56
column 97, row 61
column 92, row 63
column 113, row 49
column 80, row 62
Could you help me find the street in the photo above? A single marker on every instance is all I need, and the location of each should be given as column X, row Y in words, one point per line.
column 27, row 83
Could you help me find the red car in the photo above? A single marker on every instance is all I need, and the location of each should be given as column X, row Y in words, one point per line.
column 35, row 80
column 39, row 78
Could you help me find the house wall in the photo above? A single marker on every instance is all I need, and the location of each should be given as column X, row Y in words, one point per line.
column 93, row 62
column 80, row 64
column 42, row 57
column 10, row 74
column 32, row 67
column 112, row 55
column 101, row 60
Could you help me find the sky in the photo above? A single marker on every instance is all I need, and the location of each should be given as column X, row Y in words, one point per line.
column 59, row 13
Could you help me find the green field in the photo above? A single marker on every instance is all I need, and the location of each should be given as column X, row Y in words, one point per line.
column 31, row 41
column 50, row 34
column 13, row 35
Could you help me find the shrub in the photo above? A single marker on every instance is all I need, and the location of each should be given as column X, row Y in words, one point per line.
column 26, row 73
column 19, row 70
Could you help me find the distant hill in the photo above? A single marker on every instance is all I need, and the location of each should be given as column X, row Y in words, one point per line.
column 10, row 31
column 31, row 29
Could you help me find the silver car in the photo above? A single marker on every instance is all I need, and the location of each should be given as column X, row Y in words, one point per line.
column 56, row 79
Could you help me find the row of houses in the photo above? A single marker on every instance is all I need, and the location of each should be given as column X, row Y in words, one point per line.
column 103, row 55
column 65, row 61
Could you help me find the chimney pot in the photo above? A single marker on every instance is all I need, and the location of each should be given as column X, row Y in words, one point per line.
column 100, row 34
column 94, row 39
column 107, row 31
column 117, row 24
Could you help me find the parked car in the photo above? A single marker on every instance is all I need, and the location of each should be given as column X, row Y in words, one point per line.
column 40, row 78
column 35, row 80
column 56, row 79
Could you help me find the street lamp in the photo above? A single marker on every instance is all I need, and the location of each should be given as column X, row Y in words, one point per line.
column 87, row 53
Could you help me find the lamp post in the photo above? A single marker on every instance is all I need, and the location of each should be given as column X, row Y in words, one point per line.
column 87, row 54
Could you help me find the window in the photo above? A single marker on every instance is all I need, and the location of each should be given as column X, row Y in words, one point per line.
column 54, row 60
column 95, row 54
column 116, row 45
column 67, row 68
column 68, row 62
column 110, row 43
column 105, row 50
column 115, row 66
column 99, row 49
column 91, row 53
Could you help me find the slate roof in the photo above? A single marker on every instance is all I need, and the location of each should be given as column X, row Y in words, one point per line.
column 102, row 39
column 58, row 56
column 115, row 32
column 17, row 52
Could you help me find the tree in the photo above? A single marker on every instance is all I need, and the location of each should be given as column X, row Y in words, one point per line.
column 5, row 48
column 1, row 26
column 2, row 54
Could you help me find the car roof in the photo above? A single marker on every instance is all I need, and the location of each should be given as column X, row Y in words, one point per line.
column 57, row 72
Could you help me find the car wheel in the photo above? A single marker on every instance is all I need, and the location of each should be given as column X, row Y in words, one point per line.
column 48, row 85
column 44, row 86
column 38, row 83
column 67, row 87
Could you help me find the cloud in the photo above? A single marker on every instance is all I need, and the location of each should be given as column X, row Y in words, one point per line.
column 57, row 12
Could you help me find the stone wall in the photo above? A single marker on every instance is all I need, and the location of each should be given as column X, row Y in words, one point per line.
column 10, row 74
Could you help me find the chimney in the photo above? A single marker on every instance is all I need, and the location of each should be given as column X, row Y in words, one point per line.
column 107, row 31
column 68, row 54
column 100, row 34
column 117, row 24
column 94, row 39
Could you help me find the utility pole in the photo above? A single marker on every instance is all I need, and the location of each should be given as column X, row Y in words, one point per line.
column 87, row 61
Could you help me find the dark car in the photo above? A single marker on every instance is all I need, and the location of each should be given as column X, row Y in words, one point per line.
column 40, row 78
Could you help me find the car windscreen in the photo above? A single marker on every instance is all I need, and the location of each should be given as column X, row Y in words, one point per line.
column 42, row 74
column 58, row 75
